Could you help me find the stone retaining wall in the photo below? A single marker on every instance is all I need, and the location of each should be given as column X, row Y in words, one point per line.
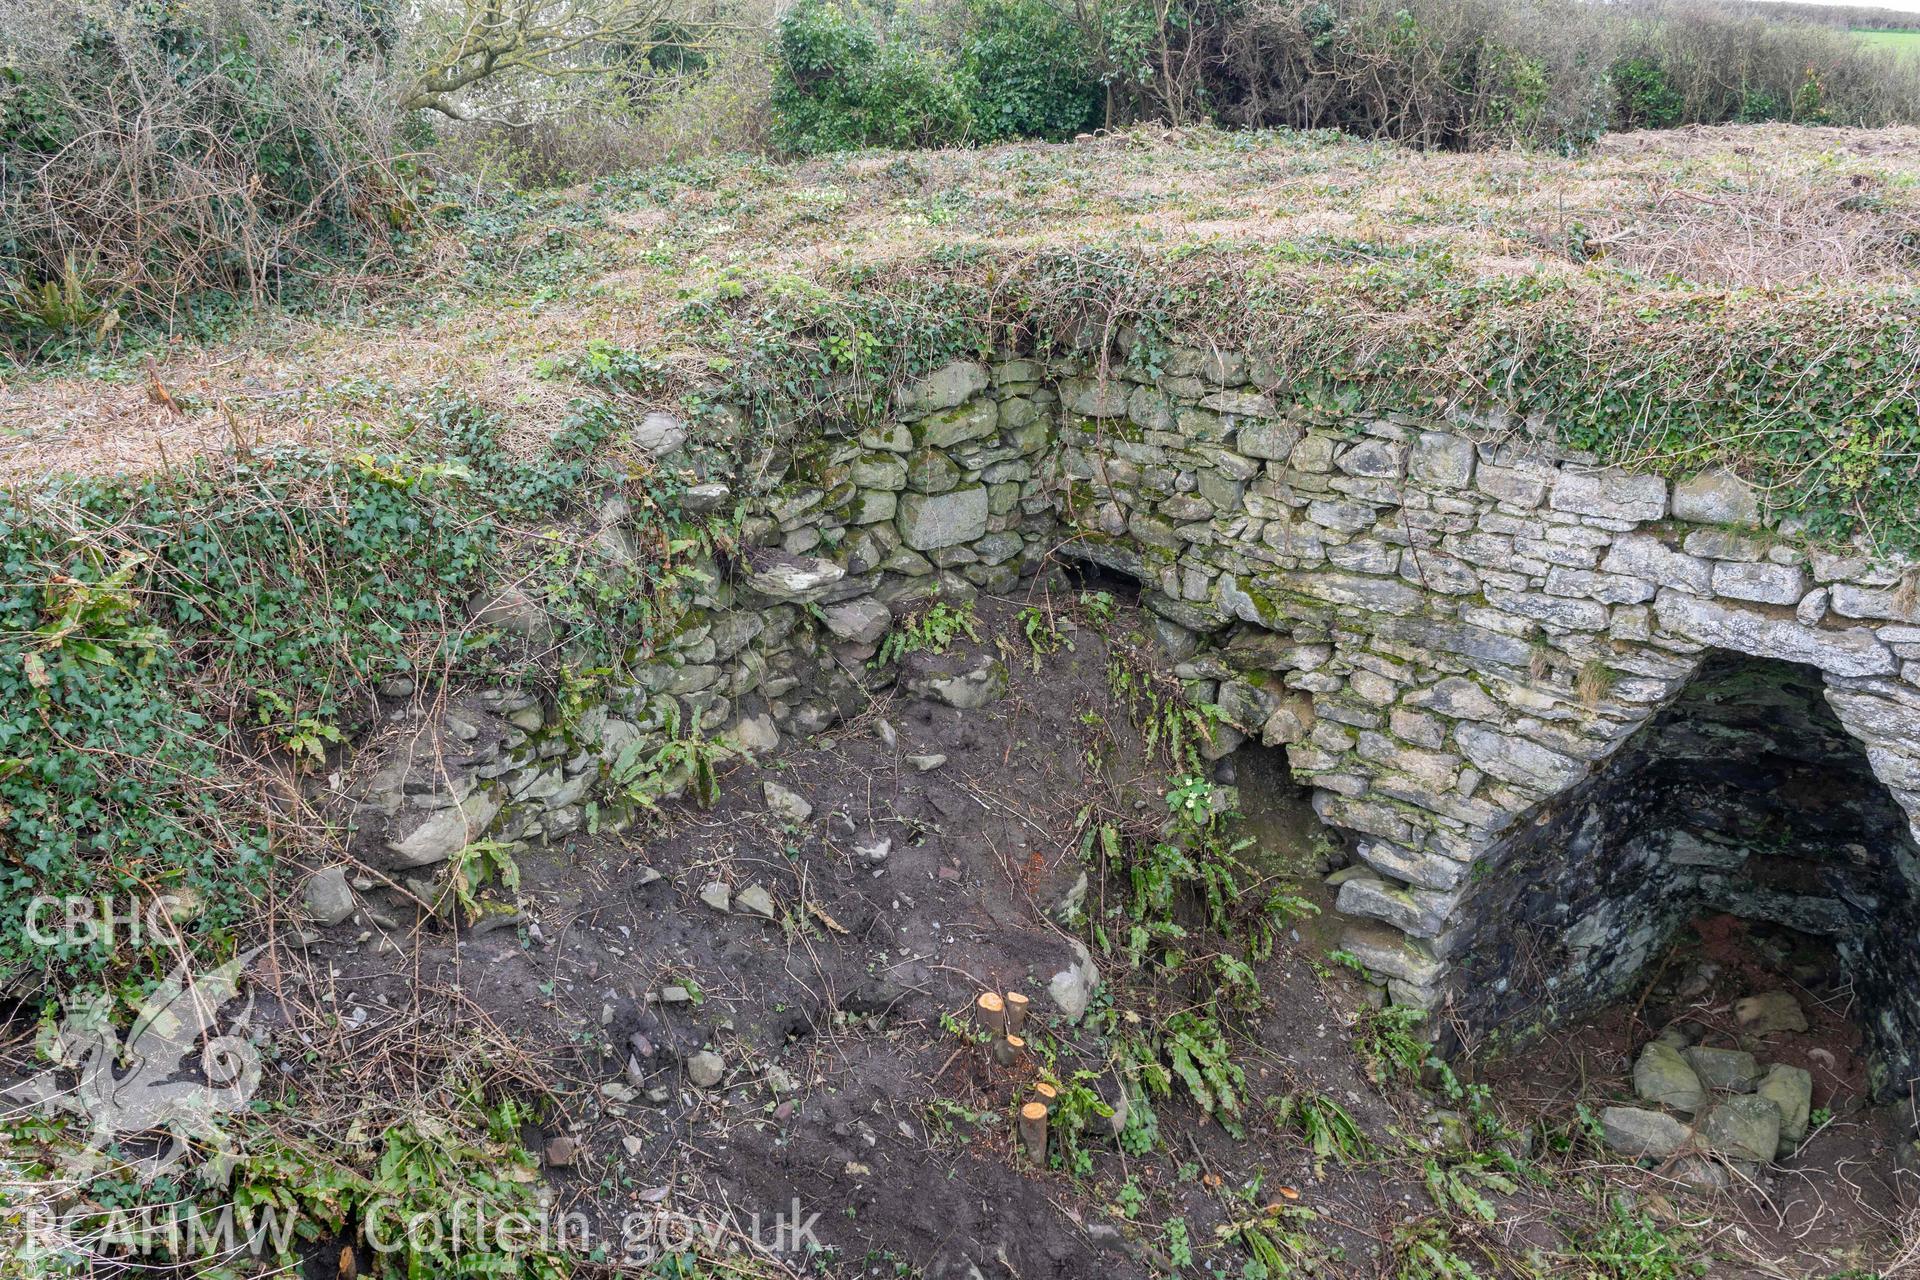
column 1450, row 627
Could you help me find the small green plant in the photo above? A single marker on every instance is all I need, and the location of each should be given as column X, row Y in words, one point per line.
column 932, row 630
column 1191, row 1048
column 479, row 864
column 1099, row 606
column 1425, row 1250
column 648, row 770
column 1630, row 1246
column 1388, row 1046
column 1330, row 1133
column 1463, row 1183
column 1179, row 1245
column 1042, row 639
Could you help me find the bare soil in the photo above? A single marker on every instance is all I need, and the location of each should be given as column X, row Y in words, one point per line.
column 848, row 1093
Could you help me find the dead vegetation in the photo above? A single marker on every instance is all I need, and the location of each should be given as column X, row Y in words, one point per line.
column 1790, row 212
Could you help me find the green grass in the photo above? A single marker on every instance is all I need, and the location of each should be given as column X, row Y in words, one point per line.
column 1902, row 41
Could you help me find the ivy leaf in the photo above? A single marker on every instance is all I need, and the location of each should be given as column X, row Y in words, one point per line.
column 36, row 669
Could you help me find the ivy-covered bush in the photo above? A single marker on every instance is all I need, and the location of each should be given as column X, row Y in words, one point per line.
column 846, row 78
column 849, row 75
column 1028, row 71
column 157, row 635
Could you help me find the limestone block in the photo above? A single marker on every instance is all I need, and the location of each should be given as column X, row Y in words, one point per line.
column 1733, row 1069
column 1516, row 760
column 1638, row 1133
column 1388, row 951
column 1643, row 556
column 1442, row 460
column 1375, row 459
column 1744, row 1128
column 1610, row 493
column 1790, row 1089
column 1518, row 486
column 1846, row 652
column 974, row 420
column 928, row 522
column 1764, row 583
column 1273, row 439
column 1663, row 1077
column 945, row 387
column 1716, row 496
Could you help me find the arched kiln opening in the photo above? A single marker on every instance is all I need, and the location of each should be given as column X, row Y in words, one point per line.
column 1741, row 826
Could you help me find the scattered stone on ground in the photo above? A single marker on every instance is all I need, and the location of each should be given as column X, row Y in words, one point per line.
column 754, row 900
column 329, row 899
column 786, row 804
column 1730, row 1069
column 1790, row 1089
column 1770, row 1012
column 1072, row 988
column 706, row 1068
column 716, row 895
column 1634, row 1131
column 1742, row 1128
column 1661, row 1076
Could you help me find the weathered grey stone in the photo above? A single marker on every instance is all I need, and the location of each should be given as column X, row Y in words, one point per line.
column 754, row 900
column 329, row 898
column 930, row 521
column 755, row 735
column 879, row 470
column 795, row 578
column 974, row 420
column 1388, row 951
column 1517, row 760
column 1458, row 697
column 1442, row 460
column 1638, row 1133
column 861, row 621
column 1519, row 486
column 706, row 1069
column 1611, row 492
column 659, row 433
column 786, row 804
column 1765, row 583
column 1769, row 1012
column 945, row 387
column 1424, row 913
column 1846, row 652
column 1716, row 496
column 700, row 499
column 1640, row 555
column 1733, row 1069
column 1790, row 1090
column 717, row 895
column 1072, row 988
column 1744, row 1128
column 1663, row 1077
column 1375, row 459
column 446, row 831
column 1274, row 439
column 986, row 682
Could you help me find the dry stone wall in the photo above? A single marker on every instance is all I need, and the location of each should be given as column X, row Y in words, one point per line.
column 1450, row 627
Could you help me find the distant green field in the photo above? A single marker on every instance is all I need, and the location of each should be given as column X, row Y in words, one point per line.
column 1907, row 42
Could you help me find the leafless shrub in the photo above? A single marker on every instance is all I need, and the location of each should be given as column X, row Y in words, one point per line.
column 209, row 145
column 1460, row 74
